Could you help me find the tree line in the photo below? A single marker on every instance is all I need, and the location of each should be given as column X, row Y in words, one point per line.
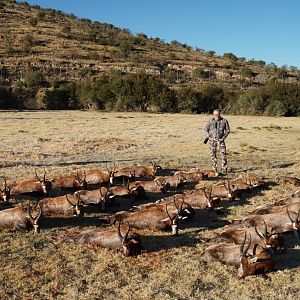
column 142, row 92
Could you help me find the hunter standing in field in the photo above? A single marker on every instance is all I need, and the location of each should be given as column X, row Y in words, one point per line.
column 217, row 129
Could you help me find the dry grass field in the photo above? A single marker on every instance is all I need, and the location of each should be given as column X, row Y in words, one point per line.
column 38, row 267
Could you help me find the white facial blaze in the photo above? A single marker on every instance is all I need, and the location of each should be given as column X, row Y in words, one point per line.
column 4, row 198
column 174, row 229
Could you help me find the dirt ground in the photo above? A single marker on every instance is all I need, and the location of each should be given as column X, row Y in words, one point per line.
column 38, row 267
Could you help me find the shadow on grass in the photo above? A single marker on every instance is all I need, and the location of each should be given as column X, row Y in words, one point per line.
column 166, row 242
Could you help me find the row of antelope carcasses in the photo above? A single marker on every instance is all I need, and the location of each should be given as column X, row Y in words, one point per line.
column 110, row 195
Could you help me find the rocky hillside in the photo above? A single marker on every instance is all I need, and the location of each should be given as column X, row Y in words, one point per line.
column 62, row 47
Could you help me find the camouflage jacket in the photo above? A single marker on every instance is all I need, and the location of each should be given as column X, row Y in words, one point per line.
column 217, row 130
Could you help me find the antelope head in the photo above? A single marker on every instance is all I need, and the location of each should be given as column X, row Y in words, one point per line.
column 257, row 263
column 34, row 221
column 184, row 211
column 103, row 198
column 82, row 182
column 111, row 173
column 77, row 208
column 269, row 240
column 45, row 183
column 207, row 193
column 5, row 193
column 131, row 244
column 231, row 193
column 173, row 221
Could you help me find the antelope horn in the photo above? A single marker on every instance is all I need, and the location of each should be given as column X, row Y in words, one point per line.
column 168, row 212
column 44, row 175
column 181, row 205
column 127, row 232
column 36, row 175
column 174, row 201
column 266, row 229
column 114, row 169
column 70, row 201
column 243, row 244
column 119, row 231
column 29, row 211
column 288, row 213
column 106, row 165
column 40, row 212
column 100, row 190
column 259, row 233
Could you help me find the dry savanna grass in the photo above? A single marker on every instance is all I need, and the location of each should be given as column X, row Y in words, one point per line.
column 38, row 267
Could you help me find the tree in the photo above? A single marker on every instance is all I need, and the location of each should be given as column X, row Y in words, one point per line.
column 211, row 52
column 199, row 72
column 230, row 56
column 33, row 22
column 246, row 72
column 28, row 43
column 33, row 78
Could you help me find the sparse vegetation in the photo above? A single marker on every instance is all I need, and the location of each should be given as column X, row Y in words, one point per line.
column 169, row 268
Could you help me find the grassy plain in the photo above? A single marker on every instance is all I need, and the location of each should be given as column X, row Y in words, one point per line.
column 37, row 267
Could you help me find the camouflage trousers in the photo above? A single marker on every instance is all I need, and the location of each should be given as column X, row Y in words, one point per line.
column 214, row 145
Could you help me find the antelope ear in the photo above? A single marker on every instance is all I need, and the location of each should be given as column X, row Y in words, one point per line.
column 253, row 260
column 134, row 241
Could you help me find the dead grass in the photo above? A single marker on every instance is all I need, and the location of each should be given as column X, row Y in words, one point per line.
column 41, row 268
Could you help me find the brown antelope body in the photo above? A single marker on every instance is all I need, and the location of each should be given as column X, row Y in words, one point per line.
column 153, row 186
column 18, row 218
column 277, row 222
column 98, row 177
column 111, row 239
column 289, row 181
column 259, row 236
column 70, row 182
column 153, row 218
column 191, row 176
column 171, row 181
column 65, row 206
column 41, row 186
column 139, row 171
column 271, row 209
column 99, row 196
column 251, row 179
column 201, row 199
column 249, row 263
column 224, row 190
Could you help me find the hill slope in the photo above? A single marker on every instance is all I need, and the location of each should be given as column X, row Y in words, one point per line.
column 64, row 47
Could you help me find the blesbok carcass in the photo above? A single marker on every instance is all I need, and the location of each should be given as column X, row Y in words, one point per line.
column 99, row 177
column 193, row 176
column 99, row 196
column 40, row 186
column 254, row 261
column 124, row 190
column 65, row 206
column 259, row 236
column 153, row 186
column 289, row 181
column 201, row 198
column 251, row 179
column 139, row 171
column 111, row 238
column 154, row 217
column 274, row 209
column 240, row 185
column 71, row 181
column 171, row 181
column 18, row 218
column 224, row 190
column 176, row 204
column 287, row 200
column 278, row 222
column 5, row 193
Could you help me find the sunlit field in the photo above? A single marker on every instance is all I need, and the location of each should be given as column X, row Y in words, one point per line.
column 39, row 267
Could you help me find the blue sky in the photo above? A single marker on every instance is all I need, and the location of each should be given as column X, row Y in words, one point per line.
column 259, row 29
